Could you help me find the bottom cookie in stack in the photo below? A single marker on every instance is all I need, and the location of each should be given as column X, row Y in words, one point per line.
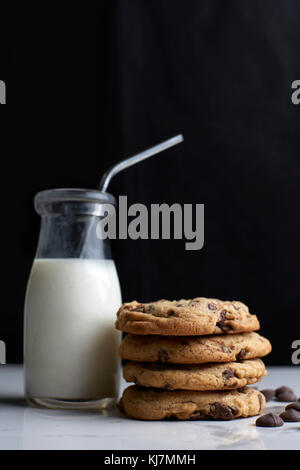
column 156, row 404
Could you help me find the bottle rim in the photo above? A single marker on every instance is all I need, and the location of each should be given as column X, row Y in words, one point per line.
column 73, row 194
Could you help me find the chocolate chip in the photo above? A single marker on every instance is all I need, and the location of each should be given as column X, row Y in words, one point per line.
column 286, row 396
column 199, row 415
column 268, row 393
column 228, row 374
column 241, row 355
column 282, row 389
column 163, row 355
column 221, row 323
column 225, row 328
column 290, row 416
column 168, row 386
column 139, row 308
column 149, row 309
column 223, row 315
column 221, row 411
column 293, row 406
column 269, row 421
column 171, row 313
column 211, row 307
column 261, row 402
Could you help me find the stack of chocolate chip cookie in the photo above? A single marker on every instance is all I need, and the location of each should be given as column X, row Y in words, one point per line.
column 191, row 359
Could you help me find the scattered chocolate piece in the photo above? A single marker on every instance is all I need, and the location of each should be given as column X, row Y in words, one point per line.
column 290, row 416
column 282, row 389
column 269, row 421
column 285, row 393
column 221, row 411
column 293, row 406
column 286, row 396
column 268, row 393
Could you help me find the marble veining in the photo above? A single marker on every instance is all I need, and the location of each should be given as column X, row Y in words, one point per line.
column 22, row 427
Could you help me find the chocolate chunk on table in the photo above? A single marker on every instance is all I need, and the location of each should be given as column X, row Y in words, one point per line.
column 268, row 393
column 290, row 415
column 294, row 406
column 269, row 420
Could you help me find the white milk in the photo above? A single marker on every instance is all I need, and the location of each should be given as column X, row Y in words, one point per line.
column 70, row 341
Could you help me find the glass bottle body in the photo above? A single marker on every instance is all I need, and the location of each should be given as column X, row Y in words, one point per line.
column 73, row 294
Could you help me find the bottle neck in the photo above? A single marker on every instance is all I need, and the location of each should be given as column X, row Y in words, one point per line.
column 71, row 236
column 69, row 223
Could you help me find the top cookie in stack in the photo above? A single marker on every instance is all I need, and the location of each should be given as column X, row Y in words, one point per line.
column 200, row 345
column 198, row 316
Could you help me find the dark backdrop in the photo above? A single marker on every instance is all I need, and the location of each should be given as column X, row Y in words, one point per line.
column 87, row 86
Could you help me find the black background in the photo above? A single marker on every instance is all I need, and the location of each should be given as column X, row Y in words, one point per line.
column 89, row 85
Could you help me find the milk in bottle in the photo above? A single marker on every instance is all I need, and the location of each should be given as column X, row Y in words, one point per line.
column 71, row 344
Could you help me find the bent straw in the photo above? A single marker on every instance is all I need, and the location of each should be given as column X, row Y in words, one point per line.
column 139, row 157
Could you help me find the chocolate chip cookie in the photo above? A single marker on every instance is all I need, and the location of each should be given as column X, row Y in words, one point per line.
column 200, row 316
column 194, row 349
column 227, row 376
column 155, row 404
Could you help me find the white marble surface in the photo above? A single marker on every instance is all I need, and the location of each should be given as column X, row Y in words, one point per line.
column 22, row 427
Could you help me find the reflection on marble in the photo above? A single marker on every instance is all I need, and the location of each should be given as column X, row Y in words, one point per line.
column 22, row 427
column 237, row 437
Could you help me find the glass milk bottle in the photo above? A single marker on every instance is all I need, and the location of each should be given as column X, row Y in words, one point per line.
column 73, row 294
